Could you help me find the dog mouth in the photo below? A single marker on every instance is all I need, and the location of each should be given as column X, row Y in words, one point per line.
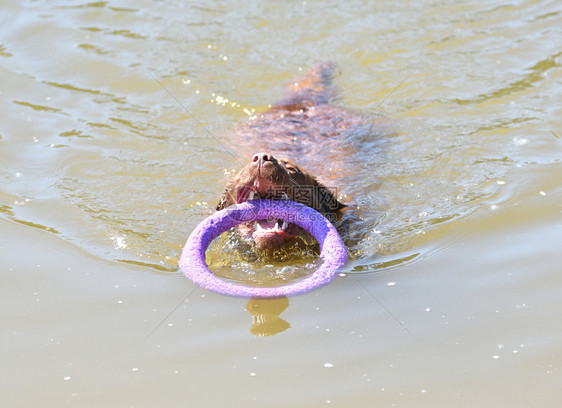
column 273, row 225
column 269, row 233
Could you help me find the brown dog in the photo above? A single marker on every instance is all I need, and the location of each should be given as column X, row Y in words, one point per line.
column 302, row 125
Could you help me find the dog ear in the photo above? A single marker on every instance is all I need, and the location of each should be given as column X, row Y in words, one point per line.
column 226, row 199
column 327, row 200
column 222, row 201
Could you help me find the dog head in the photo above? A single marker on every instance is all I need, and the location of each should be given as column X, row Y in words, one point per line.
column 278, row 179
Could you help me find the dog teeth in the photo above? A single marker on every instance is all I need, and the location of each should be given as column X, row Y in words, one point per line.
column 253, row 195
column 281, row 225
column 284, row 196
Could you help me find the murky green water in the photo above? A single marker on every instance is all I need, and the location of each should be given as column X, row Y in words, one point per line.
column 113, row 147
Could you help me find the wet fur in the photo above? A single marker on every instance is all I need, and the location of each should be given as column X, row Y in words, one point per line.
column 295, row 126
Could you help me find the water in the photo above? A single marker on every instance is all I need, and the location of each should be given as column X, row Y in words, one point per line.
column 112, row 149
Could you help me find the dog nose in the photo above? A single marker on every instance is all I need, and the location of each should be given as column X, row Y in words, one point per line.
column 262, row 157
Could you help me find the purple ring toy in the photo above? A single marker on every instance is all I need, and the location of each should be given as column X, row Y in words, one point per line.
column 332, row 250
